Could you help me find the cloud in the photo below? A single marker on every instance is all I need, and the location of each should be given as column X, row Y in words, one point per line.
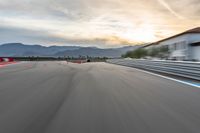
column 13, row 34
column 162, row 2
column 95, row 22
column 36, row 37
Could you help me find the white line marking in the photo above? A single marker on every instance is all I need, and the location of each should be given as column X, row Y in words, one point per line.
column 165, row 77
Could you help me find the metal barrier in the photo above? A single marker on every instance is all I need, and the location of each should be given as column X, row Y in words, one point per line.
column 178, row 68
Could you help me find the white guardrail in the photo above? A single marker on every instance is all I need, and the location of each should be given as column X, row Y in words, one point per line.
column 178, row 68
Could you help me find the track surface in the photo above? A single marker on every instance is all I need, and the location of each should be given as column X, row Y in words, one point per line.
column 56, row 97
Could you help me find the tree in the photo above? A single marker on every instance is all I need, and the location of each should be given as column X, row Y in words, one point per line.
column 153, row 52
column 138, row 53
column 159, row 52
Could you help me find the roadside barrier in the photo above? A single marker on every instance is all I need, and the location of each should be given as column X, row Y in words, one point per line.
column 179, row 68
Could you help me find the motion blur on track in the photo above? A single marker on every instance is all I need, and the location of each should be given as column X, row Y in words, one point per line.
column 61, row 97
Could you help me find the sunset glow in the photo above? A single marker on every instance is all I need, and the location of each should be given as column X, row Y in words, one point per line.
column 102, row 23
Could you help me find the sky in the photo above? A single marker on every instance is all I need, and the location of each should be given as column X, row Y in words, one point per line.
column 101, row 23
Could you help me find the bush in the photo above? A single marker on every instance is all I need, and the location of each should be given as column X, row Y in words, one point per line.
column 160, row 52
column 138, row 53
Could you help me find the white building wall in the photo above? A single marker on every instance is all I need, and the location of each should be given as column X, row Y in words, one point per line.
column 183, row 38
column 180, row 48
column 189, row 38
column 193, row 37
column 196, row 53
column 194, row 50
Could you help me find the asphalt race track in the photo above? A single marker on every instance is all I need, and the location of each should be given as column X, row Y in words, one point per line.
column 60, row 97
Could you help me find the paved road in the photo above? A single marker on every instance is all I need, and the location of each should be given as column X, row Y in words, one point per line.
column 56, row 97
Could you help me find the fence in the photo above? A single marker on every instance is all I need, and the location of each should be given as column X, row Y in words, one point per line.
column 178, row 68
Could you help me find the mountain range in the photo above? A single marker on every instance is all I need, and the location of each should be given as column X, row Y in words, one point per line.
column 23, row 50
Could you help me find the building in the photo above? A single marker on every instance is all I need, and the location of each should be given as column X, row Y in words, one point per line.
column 184, row 46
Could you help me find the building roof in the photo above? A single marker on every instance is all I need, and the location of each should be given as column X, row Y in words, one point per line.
column 195, row 30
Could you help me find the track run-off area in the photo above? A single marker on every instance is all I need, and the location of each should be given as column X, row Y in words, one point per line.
column 61, row 97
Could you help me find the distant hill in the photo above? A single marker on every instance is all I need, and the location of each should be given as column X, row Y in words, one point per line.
column 96, row 52
column 19, row 49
